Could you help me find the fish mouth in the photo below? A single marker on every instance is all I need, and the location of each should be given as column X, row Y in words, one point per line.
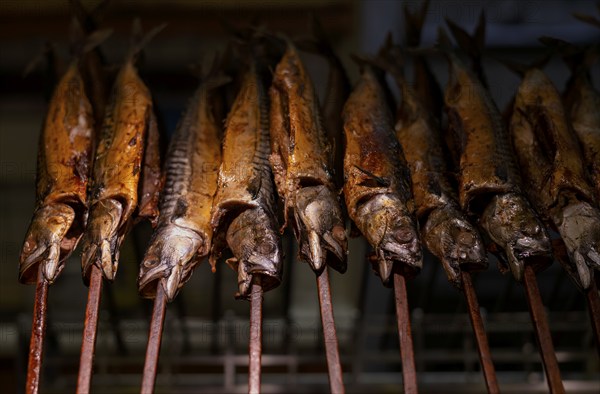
column 320, row 229
column 256, row 247
column 455, row 242
column 579, row 227
column 42, row 244
column 513, row 225
column 169, row 261
column 101, row 241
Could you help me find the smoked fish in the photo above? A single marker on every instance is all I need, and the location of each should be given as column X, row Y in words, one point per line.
column 243, row 216
column 445, row 230
column 184, row 235
column 489, row 182
column 63, row 170
column 551, row 163
column 299, row 158
column 377, row 185
column 126, row 177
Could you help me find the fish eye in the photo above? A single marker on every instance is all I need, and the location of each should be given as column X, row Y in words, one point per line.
column 265, row 247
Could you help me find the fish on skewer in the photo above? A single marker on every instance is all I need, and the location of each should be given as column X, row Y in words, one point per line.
column 377, row 179
column 126, row 178
column 551, row 162
column 337, row 91
column 243, row 216
column 63, row 170
column 582, row 103
column 184, row 235
column 489, row 183
column 299, row 158
column 445, row 230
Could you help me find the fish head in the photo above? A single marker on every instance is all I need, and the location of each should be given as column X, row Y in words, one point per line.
column 256, row 245
column 319, row 228
column 170, row 259
column 102, row 239
column 579, row 227
column 43, row 241
column 455, row 242
column 391, row 230
column 511, row 222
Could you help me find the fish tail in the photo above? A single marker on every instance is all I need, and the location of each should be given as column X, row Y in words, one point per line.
column 139, row 40
column 413, row 23
column 472, row 44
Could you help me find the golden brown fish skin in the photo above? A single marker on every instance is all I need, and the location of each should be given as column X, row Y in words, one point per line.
column 489, row 184
column 184, row 233
column 582, row 102
column 445, row 230
column 64, row 161
column 245, row 190
column 300, row 162
column 551, row 162
column 377, row 179
column 113, row 196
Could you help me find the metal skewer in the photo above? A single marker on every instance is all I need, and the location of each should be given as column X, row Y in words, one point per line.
column 38, row 330
column 336, row 383
column 255, row 347
column 409, row 373
column 542, row 331
column 483, row 347
column 90, row 331
column 154, row 341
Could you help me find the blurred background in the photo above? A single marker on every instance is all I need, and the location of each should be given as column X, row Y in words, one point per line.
column 206, row 331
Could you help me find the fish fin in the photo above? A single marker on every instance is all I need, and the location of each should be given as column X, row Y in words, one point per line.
column 89, row 20
column 318, row 43
column 140, row 40
column 589, row 19
column 210, row 73
column 413, row 23
column 152, row 179
column 443, row 43
column 520, row 68
column 379, row 180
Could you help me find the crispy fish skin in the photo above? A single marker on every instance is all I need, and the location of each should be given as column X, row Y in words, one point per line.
column 551, row 162
column 299, row 160
column 245, row 199
column 64, row 161
column 489, row 180
column 113, row 196
column 377, row 179
column 184, row 233
column 445, row 230
column 583, row 105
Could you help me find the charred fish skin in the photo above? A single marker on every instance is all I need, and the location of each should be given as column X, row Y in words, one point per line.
column 489, row 182
column 127, row 145
column 245, row 190
column 299, row 159
column 184, row 233
column 64, row 161
column 551, row 161
column 377, row 179
column 446, row 231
